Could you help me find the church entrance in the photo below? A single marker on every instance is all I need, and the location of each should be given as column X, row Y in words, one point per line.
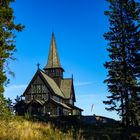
column 35, row 109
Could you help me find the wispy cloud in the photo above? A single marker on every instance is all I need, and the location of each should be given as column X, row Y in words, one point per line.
column 15, row 87
column 82, row 83
column 14, row 90
column 92, row 103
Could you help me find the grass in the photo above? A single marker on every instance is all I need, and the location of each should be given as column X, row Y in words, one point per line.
column 21, row 129
column 18, row 128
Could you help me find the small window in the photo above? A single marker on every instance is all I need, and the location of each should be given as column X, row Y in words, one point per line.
column 43, row 88
column 53, row 71
column 38, row 88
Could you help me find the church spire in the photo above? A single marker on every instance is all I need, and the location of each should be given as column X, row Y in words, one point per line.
column 53, row 58
column 53, row 68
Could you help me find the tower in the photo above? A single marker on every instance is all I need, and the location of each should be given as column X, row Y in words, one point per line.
column 53, row 68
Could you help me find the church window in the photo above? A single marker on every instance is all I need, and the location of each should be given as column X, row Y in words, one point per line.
column 52, row 71
column 45, row 96
column 61, row 74
column 39, row 96
column 33, row 89
column 57, row 73
column 43, row 89
column 38, row 88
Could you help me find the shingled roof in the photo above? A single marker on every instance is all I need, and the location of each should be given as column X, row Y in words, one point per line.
column 59, row 103
column 53, row 85
column 66, row 86
column 53, row 58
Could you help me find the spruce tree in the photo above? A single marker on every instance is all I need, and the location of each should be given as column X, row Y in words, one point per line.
column 4, row 111
column 7, row 46
column 124, row 52
column 7, row 38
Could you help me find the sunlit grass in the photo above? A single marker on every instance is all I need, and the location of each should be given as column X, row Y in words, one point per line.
column 20, row 129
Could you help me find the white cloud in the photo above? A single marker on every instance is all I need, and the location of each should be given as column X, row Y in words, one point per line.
column 86, row 100
column 82, row 83
column 14, row 90
column 14, row 87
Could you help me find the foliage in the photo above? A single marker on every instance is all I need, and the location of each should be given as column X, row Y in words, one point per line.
column 10, row 105
column 4, row 110
column 27, row 116
column 124, row 66
column 20, row 106
column 18, row 99
column 7, row 39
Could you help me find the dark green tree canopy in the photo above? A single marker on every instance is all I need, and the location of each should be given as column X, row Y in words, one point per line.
column 124, row 52
column 7, row 38
column 7, row 48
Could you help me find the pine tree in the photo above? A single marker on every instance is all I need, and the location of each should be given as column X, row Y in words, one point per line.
column 124, row 52
column 10, row 105
column 7, row 39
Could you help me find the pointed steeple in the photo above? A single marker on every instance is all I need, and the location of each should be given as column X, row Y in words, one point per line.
column 53, row 68
column 53, row 58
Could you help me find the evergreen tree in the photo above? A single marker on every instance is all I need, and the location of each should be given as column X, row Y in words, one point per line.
column 4, row 111
column 7, row 39
column 18, row 99
column 124, row 52
column 10, row 105
column 7, row 47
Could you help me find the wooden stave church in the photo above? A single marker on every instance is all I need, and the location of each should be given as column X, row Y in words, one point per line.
column 49, row 93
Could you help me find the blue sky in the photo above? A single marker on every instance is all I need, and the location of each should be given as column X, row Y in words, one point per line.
column 79, row 26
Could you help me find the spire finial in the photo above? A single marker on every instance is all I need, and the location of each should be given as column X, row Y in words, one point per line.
column 52, row 34
column 72, row 76
column 38, row 65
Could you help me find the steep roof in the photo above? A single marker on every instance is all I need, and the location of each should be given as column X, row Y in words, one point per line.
column 53, row 58
column 49, row 82
column 63, row 91
column 36, row 101
column 53, row 85
column 66, row 87
column 59, row 103
column 75, row 107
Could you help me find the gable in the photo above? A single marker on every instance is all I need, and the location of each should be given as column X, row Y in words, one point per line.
column 38, row 80
column 47, row 83
column 36, row 85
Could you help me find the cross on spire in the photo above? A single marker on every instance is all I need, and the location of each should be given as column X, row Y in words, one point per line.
column 38, row 65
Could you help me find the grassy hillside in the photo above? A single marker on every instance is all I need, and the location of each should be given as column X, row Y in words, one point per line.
column 18, row 128
column 21, row 129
